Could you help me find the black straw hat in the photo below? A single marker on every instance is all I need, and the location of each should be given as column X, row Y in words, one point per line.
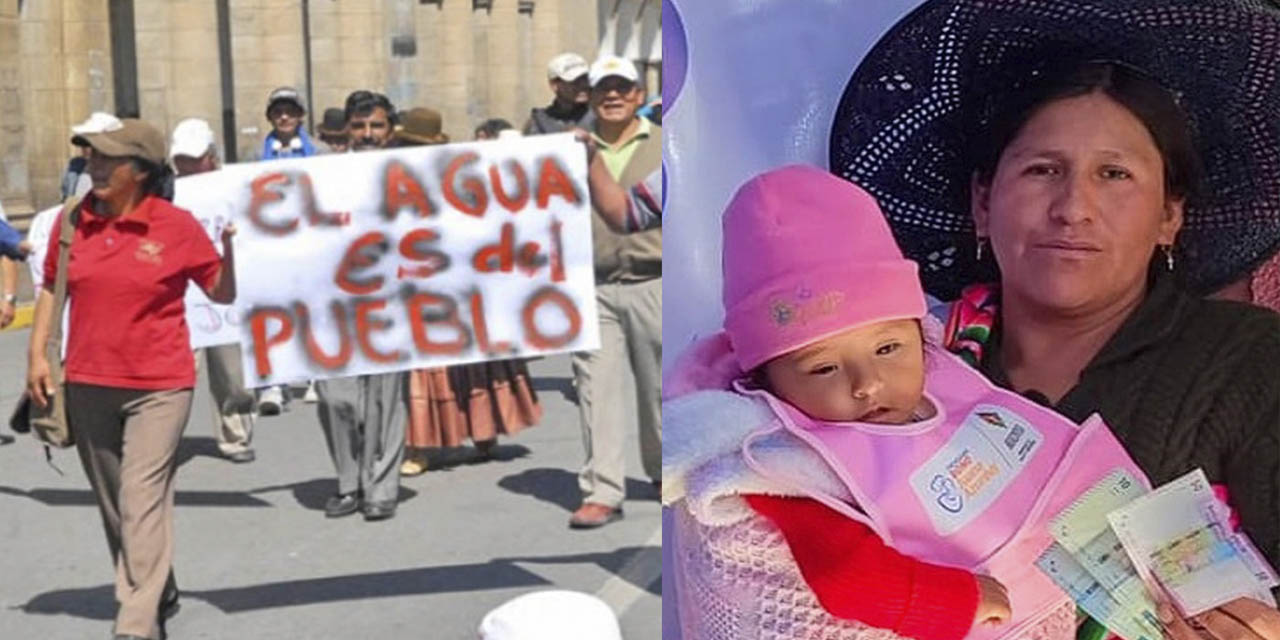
column 906, row 127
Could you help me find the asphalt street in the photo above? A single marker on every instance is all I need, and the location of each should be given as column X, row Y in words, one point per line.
column 257, row 559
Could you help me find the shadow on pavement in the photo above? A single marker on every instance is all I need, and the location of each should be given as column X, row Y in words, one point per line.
column 189, row 448
column 85, row 498
column 312, row 494
column 446, row 458
column 560, row 487
column 94, row 603
column 641, row 566
column 563, row 385
column 634, row 564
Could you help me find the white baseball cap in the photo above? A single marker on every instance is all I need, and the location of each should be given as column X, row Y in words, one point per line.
column 567, row 67
column 98, row 122
column 192, row 137
column 613, row 66
column 551, row 615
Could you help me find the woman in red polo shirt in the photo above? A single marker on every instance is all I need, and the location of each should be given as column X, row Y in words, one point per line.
column 129, row 368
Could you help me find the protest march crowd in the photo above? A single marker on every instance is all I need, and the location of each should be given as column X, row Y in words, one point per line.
column 112, row 369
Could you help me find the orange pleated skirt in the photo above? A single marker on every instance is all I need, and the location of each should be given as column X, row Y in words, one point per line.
column 479, row 402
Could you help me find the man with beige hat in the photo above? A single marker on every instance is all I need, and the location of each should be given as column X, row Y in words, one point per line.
column 628, row 270
column 567, row 76
column 192, row 151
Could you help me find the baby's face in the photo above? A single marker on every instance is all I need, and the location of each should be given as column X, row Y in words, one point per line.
column 869, row 374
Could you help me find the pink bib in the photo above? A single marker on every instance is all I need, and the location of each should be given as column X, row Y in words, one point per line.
column 973, row 487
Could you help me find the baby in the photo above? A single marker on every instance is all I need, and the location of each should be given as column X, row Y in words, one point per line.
column 946, row 483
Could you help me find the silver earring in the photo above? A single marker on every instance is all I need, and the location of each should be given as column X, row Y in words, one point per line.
column 1168, row 256
column 982, row 242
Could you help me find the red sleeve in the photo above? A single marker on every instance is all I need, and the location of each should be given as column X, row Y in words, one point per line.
column 203, row 261
column 857, row 576
column 51, row 254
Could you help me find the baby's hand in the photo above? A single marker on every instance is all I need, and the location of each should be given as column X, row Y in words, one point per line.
column 993, row 603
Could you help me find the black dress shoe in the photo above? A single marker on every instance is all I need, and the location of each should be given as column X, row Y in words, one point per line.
column 342, row 505
column 378, row 510
column 169, row 605
column 6, row 439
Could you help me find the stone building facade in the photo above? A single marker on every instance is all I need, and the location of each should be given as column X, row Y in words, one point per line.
column 218, row 59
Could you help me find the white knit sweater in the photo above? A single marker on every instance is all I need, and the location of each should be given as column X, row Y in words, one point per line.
column 735, row 577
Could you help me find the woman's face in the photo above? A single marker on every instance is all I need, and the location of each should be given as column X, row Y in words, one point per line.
column 113, row 176
column 1077, row 206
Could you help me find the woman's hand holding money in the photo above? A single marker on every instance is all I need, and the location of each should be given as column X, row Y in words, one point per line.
column 1240, row 619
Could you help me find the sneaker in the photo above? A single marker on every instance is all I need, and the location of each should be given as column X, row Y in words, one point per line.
column 310, row 397
column 271, row 401
column 241, row 457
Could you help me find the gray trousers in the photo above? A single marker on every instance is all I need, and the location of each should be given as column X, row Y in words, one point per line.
column 630, row 337
column 128, row 443
column 363, row 420
column 233, row 404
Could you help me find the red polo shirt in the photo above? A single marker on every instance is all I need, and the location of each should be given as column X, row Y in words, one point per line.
column 126, row 281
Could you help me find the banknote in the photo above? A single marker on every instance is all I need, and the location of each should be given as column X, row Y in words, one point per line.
column 1092, row 597
column 1178, row 538
column 1083, row 532
column 1086, row 517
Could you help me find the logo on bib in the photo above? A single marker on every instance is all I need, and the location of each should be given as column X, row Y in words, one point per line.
column 949, row 497
column 969, row 472
column 991, row 418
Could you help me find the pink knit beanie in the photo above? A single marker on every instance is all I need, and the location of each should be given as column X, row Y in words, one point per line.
column 808, row 255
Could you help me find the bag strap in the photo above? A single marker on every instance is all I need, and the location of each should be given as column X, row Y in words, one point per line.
column 66, row 233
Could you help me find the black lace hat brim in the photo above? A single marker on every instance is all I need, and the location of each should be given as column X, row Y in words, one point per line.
column 905, row 125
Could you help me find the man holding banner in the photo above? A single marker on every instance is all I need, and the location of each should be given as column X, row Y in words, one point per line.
column 405, row 259
column 628, row 271
column 363, row 416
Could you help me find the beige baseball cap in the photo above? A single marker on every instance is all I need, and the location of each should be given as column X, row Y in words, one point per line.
column 192, row 138
column 613, row 66
column 567, row 66
column 97, row 122
column 132, row 138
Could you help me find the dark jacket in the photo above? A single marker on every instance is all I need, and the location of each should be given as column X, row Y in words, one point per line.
column 71, row 176
column 550, row 119
column 1188, row 383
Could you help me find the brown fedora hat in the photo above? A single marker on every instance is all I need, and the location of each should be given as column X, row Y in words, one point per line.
column 422, row 126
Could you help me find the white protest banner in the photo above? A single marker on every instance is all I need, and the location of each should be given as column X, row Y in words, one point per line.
column 400, row 259
column 211, row 324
